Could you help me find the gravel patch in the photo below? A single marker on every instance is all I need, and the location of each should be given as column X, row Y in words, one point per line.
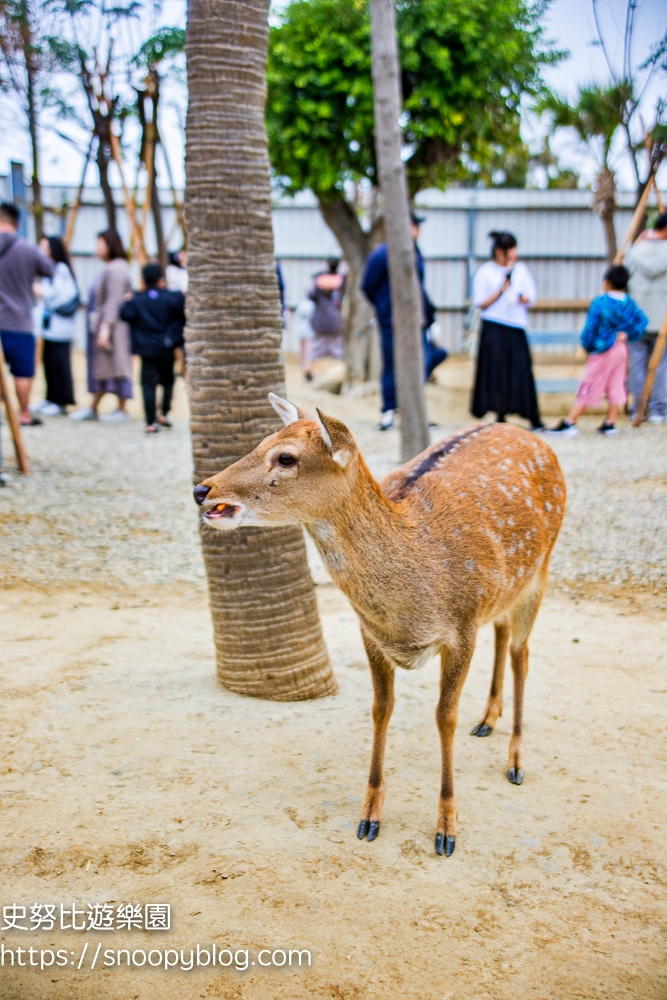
column 104, row 503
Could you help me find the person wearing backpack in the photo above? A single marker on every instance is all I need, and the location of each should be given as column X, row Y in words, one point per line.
column 60, row 296
column 20, row 264
column 156, row 317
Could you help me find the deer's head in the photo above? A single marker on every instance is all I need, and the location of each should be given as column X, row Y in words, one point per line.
column 295, row 476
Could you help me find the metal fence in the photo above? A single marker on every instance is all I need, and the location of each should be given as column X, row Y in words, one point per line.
column 560, row 239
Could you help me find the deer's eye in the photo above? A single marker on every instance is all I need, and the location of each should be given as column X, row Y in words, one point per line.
column 286, row 459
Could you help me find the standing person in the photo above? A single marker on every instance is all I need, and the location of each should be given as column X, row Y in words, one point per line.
column 647, row 263
column 613, row 320
column 327, row 320
column 503, row 288
column 20, row 264
column 177, row 272
column 60, row 296
column 109, row 351
column 156, row 317
column 375, row 286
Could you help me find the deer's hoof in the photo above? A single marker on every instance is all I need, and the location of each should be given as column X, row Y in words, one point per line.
column 444, row 845
column 370, row 827
column 481, row 729
column 515, row 775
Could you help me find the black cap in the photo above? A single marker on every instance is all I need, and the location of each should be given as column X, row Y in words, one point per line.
column 417, row 220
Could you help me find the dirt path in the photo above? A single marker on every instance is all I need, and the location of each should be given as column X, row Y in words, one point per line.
column 128, row 775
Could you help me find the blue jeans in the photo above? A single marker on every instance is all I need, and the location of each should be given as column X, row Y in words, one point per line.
column 640, row 354
column 433, row 356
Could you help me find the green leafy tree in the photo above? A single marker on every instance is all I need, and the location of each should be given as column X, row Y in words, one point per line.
column 462, row 86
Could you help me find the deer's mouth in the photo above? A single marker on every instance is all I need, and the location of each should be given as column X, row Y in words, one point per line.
column 221, row 510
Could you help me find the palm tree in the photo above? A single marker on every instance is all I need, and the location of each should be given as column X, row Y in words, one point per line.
column 267, row 631
column 595, row 115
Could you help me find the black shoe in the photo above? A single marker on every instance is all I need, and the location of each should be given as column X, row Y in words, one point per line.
column 565, row 430
column 608, row 430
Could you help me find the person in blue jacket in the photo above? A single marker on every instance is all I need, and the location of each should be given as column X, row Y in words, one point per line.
column 375, row 286
column 613, row 320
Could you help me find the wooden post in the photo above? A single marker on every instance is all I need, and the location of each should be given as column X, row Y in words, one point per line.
column 71, row 221
column 636, row 219
column 656, row 357
column 129, row 203
column 12, row 418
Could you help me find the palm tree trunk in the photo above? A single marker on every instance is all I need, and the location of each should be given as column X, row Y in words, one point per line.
column 267, row 631
column 406, row 306
column 605, row 204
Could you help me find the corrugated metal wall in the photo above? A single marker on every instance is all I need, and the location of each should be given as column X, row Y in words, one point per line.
column 560, row 239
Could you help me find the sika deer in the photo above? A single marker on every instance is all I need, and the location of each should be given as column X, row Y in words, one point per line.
column 459, row 536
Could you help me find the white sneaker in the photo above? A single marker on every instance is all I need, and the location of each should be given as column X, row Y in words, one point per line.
column 387, row 420
column 51, row 410
column 85, row 413
column 656, row 418
column 117, row 417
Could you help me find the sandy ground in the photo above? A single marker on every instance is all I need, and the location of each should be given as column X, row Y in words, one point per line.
column 129, row 775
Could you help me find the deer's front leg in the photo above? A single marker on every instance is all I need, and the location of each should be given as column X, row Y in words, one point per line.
column 455, row 663
column 382, row 673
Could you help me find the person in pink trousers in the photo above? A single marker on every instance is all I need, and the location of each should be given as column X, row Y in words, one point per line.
column 613, row 319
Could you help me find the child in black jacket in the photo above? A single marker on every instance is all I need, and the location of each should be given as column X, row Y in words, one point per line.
column 156, row 317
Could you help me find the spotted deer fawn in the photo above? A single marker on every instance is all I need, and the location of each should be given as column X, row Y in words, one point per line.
column 458, row 537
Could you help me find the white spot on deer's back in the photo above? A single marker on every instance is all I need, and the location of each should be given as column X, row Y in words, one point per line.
column 470, row 564
column 529, row 501
column 547, row 506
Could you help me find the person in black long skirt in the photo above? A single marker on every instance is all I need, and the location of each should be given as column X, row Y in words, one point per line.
column 61, row 302
column 503, row 289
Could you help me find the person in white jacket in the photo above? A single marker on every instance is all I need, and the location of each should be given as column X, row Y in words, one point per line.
column 503, row 289
column 60, row 297
column 646, row 261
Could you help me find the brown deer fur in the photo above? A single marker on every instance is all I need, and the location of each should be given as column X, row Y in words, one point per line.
column 458, row 537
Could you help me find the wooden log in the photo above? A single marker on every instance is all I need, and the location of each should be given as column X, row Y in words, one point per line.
column 656, row 357
column 12, row 417
column 74, row 211
column 635, row 221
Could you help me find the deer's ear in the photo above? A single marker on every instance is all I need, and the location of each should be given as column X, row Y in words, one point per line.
column 288, row 412
column 337, row 438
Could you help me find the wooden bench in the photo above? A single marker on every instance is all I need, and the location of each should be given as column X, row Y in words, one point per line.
column 548, row 338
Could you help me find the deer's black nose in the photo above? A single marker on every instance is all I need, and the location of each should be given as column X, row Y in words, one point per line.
column 200, row 493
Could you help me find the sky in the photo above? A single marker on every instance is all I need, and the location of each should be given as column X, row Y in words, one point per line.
column 569, row 25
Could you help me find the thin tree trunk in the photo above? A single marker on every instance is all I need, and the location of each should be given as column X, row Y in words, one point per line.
column 267, row 631
column 406, row 305
column 31, row 73
column 341, row 219
column 103, row 159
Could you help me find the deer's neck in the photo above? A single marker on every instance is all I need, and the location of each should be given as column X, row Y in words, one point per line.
column 360, row 539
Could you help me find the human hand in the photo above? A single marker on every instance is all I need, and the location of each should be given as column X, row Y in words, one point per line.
column 622, row 337
column 104, row 337
column 524, row 300
column 37, row 290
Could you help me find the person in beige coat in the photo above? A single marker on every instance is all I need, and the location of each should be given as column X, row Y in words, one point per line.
column 647, row 263
column 109, row 348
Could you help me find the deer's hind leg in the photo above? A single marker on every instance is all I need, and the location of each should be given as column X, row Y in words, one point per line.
column 382, row 672
column 494, row 705
column 522, row 616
